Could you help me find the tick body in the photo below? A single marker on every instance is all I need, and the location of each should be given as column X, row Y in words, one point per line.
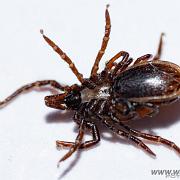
column 125, row 90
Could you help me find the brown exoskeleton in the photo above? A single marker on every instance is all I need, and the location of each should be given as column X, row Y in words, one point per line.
column 123, row 91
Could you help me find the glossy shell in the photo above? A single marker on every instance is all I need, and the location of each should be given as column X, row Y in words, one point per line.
column 154, row 81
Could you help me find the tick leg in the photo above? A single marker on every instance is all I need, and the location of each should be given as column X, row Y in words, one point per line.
column 64, row 57
column 110, row 63
column 95, row 135
column 77, row 143
column 121, row 66
column 143, row 58
column 95, row 138
column 31, row 86
column 159, row 50
column 152, row 138
column 103, row 45
column 110, row 124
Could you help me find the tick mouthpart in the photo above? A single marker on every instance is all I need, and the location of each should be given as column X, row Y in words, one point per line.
column 55, row 101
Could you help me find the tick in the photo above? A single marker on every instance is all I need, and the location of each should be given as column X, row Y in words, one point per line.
column 123, row 91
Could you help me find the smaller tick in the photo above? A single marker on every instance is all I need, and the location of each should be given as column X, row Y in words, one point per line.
column 123, row 91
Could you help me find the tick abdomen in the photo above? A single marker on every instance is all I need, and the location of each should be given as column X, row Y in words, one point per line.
column 147, row 80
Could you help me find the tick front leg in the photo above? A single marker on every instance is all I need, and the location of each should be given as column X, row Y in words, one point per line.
column 95, row 138
column 64, row 56
column 103, row 45
column 29, row 87
column 77, row 143
column 153, row 138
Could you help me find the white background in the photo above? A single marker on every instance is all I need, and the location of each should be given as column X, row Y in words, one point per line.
column 28, row 129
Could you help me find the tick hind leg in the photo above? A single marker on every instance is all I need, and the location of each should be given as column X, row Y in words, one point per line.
column 153, row 138
column 160, row 48
column 111, row 125
column 147, row 57
column 28, row 87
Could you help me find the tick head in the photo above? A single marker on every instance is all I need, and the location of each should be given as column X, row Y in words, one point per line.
column 73, row 100
column 70, row 100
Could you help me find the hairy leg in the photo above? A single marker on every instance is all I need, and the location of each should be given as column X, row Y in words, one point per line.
column 110, row 124
column 95, row 138
column 143, row 59
column 64, row 57
column 110, row 63
column 103, row 45
column 159, row 50
column 124, row 63
column 28, row 87
column 122, row 66
column 77, row 143
column 153, row 138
